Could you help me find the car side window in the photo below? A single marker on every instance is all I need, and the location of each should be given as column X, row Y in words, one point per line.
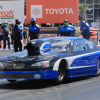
column 90, row 44
column 79, row 45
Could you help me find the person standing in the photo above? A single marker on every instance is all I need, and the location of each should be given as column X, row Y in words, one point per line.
column 25, row 37
column 59, row 30
column 17, row 31
column 11, row 35
column 34, row 30
column 2, row 25
column 85, row 30
column 1, row 37
column 67, row 30
column 6, row 34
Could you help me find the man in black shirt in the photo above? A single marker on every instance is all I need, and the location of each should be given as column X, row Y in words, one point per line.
column 17, row 35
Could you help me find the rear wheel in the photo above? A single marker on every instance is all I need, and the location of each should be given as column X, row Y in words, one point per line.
column 61, row 73
column 98, row 67
column 12, row 81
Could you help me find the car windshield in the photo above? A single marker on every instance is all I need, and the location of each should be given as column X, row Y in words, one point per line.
column 59, row 44
column 56, row 44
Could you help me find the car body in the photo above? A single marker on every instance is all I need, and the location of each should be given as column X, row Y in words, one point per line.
column 52, row 58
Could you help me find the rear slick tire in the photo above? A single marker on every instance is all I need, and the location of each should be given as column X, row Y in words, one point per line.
column 61, row 73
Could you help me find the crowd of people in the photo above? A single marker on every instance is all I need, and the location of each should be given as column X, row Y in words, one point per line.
column 69, row 30
column 20, row 35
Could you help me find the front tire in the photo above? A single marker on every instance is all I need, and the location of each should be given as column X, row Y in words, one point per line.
column 11, row 81
column 61, row 73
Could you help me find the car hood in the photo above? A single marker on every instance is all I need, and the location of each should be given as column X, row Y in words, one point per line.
column 23, row 56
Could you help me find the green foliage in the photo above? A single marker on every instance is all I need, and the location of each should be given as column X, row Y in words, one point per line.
column 83, row 7
column 1, row 6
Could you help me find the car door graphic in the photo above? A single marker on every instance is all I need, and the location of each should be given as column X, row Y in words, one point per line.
column 82, row 63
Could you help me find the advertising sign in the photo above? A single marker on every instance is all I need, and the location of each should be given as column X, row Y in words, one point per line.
column 11, row 10
column 52, row 11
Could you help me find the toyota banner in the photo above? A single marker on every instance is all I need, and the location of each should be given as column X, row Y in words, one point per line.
column 52, row 11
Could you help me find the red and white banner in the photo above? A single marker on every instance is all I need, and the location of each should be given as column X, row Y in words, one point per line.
column 52, row 11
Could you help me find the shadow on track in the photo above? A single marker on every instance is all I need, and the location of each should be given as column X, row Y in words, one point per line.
column 40, row 84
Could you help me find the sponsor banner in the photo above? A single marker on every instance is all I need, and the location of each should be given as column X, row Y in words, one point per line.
column 36, row 12
column 52, row 11
column 47, row 35
column 11, row 10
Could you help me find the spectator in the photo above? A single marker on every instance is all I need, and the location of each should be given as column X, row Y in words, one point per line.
column 25, row 37
column 12, row 40
column 34, row 30
column 17, row 35
column 1, row 37
column 59, row 30
column 67, row 30
column 2, row 25
column 85, row 30
column 6, row 34
column 11, row 35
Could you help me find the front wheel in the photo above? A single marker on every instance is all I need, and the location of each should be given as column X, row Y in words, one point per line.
column 12, row 81
column 61, row 73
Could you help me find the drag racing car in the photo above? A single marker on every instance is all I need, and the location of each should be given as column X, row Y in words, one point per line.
column 52, row 58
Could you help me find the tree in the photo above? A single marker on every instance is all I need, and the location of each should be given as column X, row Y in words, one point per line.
column 83, row 7
column 1, row 6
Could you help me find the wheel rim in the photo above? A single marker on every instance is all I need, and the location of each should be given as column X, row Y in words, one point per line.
column 98, row 65
column 61, row 73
